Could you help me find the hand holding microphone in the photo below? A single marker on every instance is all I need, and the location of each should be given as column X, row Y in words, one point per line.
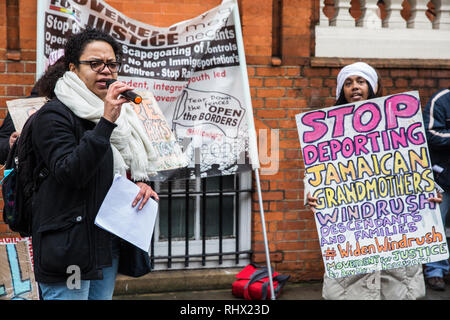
column 128, row 94
column 118, row 93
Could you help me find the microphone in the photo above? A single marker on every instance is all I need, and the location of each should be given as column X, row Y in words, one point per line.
column 129, row 94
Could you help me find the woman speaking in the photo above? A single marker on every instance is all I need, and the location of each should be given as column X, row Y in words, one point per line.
column 83, row 137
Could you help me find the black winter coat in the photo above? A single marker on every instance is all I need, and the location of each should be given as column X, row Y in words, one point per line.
column 78, row 154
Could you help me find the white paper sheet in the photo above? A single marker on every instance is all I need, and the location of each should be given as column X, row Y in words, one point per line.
column 117, row 216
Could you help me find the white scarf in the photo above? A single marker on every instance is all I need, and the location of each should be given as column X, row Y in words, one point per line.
column 361, row 69
column 131, row 146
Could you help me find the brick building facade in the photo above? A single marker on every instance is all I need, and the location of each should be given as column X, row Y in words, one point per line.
column 285, row 79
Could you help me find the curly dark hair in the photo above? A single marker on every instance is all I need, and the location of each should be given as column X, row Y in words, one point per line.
column 76, row 44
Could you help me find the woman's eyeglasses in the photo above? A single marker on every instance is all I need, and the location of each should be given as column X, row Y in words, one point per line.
column 99, row 65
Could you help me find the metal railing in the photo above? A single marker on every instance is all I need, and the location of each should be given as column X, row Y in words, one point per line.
column 203, row 192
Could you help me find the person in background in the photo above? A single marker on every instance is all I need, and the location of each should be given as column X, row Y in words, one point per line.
column 436, row 115
column 83, row 137
column 355, row 83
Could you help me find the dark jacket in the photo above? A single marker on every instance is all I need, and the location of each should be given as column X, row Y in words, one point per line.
column 436, row 118
column 78, row 155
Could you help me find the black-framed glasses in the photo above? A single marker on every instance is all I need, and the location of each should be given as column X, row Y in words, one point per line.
column 99, row 65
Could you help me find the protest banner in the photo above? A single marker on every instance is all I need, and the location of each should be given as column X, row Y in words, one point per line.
column 21, row 109
column 16, row 275
column 194, row 69
column 369, row 167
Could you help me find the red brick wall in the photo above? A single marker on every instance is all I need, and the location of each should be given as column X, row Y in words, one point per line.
column 278, row 93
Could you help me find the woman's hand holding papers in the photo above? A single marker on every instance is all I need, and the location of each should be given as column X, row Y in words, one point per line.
column 145, row 193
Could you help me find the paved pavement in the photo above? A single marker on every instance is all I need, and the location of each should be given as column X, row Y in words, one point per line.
column 291, row 291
